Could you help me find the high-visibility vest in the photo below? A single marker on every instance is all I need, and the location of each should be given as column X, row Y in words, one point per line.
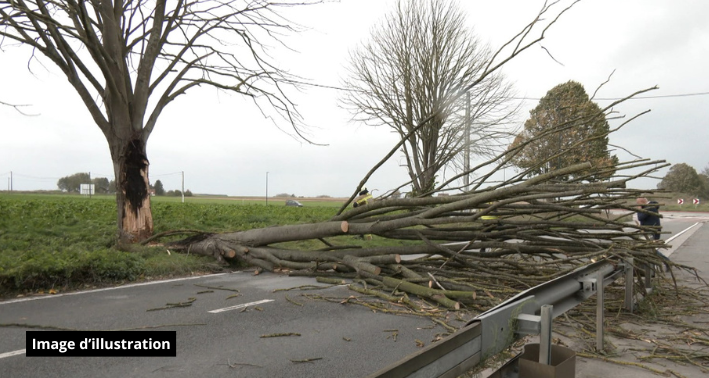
column 363, row 201
column 488, row 216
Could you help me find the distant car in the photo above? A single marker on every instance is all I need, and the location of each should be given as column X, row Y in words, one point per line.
column 294, row 203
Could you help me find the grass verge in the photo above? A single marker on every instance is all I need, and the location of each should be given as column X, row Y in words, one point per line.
column 51, row 243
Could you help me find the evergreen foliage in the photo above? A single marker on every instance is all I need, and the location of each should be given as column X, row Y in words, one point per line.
column 569, row 129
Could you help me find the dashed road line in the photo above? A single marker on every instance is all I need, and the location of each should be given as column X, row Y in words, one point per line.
column 15, row 353
column 240, row 306
column 110, row 288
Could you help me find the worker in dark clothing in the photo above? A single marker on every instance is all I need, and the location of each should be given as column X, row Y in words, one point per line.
column 651, row 218
column 646, row 219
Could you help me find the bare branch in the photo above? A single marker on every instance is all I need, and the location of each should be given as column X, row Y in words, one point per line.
column 18, row 107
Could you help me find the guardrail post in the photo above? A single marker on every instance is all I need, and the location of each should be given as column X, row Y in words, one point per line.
column 494, row 329
column 629, row 283
column 545, row 335
column 599, row 312
column 649, row 269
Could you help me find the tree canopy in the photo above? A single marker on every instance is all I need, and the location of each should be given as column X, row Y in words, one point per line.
column 101, row 185
column 415, row 62
column 564, row 129
column 72, row 183
column 704, row 178
column 683, row 178
column 159, row 188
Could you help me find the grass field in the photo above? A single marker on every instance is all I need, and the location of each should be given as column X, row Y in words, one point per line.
column 217, row 200
column 55, row 242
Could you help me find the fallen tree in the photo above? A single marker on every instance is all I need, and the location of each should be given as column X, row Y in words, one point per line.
column 543, row 226
column 542, row 229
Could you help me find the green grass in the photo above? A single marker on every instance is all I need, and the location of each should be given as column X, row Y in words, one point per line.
column 65, row 241
column 251, row 201
column 215, row 200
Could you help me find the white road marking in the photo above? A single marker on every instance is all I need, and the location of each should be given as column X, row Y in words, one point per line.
column 689, row 230
column 110, row 288
column 15, row 353
column 681, row 232
column 240, row 306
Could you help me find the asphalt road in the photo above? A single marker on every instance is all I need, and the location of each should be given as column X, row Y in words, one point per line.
column 220, row 336
column 342, row 340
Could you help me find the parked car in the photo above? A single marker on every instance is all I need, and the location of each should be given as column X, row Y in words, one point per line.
column 294, row 203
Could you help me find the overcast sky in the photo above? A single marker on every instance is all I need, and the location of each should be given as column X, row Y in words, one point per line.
column 225, row 146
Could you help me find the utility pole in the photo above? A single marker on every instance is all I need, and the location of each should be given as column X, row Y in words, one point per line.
column 11, row 181
column 183, row 186
column 466, row 155
column 266, row 188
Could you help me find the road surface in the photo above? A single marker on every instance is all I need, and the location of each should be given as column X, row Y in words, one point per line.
column 220, row 336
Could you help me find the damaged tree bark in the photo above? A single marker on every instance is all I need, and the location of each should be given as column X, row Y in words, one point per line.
column 134, row 216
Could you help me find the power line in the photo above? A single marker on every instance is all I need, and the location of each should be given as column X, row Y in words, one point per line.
column 96, row 175
column 326, row 86
column 632, row 98
column 661, row 96
column 35, row 177
column 166, row 174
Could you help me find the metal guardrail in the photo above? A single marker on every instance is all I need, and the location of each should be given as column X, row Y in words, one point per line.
column 529, row 312
column 459, row 353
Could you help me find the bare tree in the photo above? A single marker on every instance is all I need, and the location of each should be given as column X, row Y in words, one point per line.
column 128, row 60
column 420, row 57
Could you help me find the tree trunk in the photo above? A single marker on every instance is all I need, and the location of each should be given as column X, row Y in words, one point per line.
column 135, row 219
